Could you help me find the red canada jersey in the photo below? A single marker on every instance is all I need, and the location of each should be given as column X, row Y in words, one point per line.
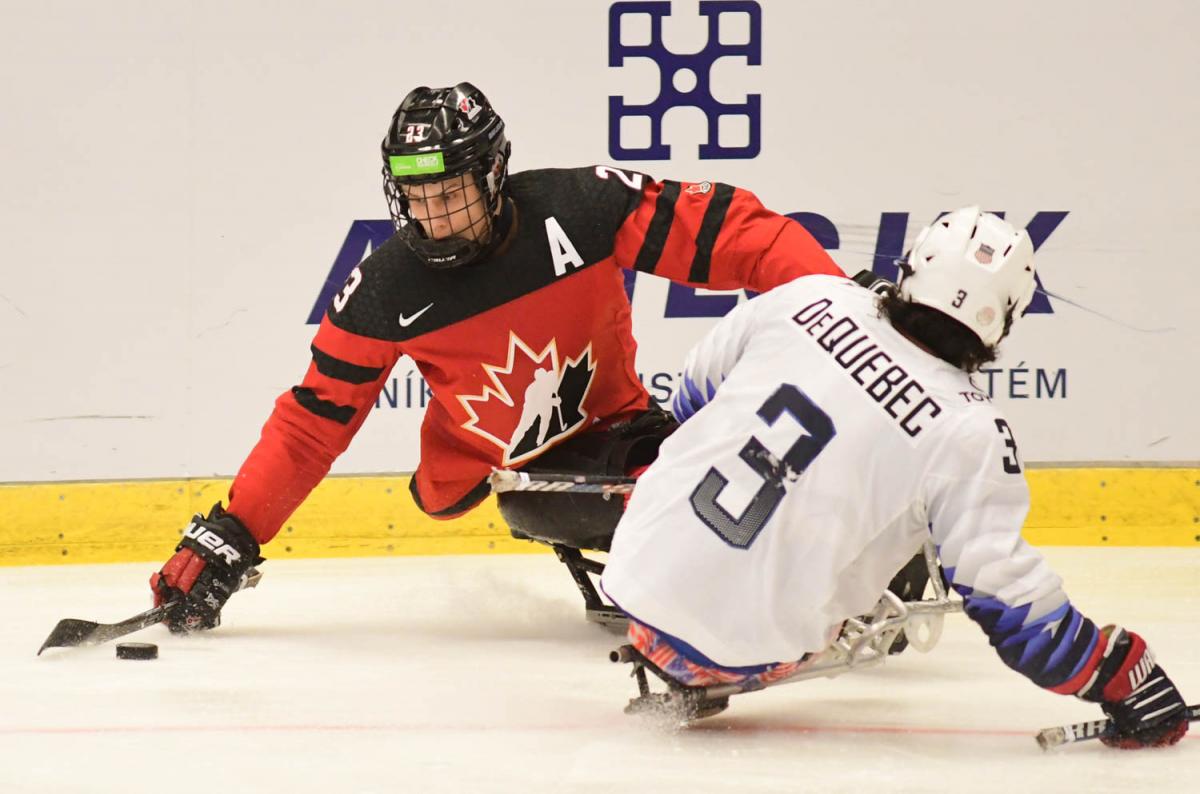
column 523, row 350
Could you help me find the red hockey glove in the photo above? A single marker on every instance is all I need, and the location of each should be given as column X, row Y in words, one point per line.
column 209, row 565
column 1135, row 693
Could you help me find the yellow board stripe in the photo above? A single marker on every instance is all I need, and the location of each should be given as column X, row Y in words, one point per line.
column 1150, row 506
column 93, row 522
column 141, row 521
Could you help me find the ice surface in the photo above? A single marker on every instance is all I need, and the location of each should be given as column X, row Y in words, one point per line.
column 479, row 674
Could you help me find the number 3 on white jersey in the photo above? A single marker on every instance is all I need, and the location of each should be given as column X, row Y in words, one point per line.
column 741, row 531
column 632, row 181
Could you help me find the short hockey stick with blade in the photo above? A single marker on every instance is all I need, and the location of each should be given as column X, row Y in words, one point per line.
column 1082, row 731
column 74, row 633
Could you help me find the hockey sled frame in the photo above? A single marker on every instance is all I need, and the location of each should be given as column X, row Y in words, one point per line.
column 862, row 642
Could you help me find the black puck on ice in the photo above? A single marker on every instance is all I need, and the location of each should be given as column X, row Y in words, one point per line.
column 137, row 650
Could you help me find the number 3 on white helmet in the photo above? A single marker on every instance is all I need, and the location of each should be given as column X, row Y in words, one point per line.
column 973, row 266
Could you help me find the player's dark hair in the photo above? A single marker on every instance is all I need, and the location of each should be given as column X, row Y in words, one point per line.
column 945, row 337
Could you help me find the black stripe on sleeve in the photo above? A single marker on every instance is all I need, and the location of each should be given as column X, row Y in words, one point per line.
column 342, row 414
column 660, row 227
column 710, row 227
column 337, row 369
column 473, row 497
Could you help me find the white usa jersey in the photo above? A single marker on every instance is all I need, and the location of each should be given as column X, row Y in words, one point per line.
column 819, row 449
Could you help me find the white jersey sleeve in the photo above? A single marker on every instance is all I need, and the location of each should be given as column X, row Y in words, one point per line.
column 978, row 500
column 712, row 359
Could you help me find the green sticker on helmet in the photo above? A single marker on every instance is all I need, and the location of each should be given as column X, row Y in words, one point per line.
column 416, row 164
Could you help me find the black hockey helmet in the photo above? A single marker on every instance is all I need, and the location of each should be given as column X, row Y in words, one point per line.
column 436, row 135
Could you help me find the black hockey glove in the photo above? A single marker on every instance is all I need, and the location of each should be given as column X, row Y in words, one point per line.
column 209, row 565
column 1136, row 694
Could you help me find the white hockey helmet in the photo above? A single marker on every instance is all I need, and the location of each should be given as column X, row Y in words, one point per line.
column 972, row 266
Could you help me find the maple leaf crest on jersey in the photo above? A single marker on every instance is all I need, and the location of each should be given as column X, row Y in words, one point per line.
column 531, row 400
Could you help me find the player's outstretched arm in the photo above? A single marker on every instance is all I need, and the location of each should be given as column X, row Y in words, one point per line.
column 312, row 424
column 1010, row 591
column 714, row 235
column 1063, row 651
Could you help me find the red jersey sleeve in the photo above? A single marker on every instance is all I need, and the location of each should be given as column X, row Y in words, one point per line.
column 709, row 234
column 311, row 425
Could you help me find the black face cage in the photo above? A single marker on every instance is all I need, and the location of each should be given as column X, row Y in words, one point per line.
column 398, row 207
column 451, row 251
column 490, row 176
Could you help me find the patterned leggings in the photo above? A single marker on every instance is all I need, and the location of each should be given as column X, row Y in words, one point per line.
column 651, row 645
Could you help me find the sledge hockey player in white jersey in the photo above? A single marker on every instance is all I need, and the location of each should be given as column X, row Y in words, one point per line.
column 828, row 432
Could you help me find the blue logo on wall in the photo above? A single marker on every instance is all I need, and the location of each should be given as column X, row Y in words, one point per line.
column 684, row 79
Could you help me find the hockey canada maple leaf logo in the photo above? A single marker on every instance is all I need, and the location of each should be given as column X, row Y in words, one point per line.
column 530, row 401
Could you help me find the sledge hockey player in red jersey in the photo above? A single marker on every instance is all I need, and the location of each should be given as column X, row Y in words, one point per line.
column 827, row 433
column 508, row 294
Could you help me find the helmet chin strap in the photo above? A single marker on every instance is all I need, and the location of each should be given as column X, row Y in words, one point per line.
column 441, row 254
column 460, row 251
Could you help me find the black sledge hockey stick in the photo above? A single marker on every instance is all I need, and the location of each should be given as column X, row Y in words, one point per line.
column 74, row 633
column 503, row 480
column 1082, row 731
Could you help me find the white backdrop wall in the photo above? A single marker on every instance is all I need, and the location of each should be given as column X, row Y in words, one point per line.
column 180, row 177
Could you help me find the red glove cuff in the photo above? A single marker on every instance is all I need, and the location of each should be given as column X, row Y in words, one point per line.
column 1136, row 665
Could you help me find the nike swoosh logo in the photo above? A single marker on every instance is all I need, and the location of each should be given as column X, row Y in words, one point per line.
column 412, row 318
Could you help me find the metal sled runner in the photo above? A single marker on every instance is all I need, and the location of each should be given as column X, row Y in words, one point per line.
column 863, row 642
column 584, row 570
